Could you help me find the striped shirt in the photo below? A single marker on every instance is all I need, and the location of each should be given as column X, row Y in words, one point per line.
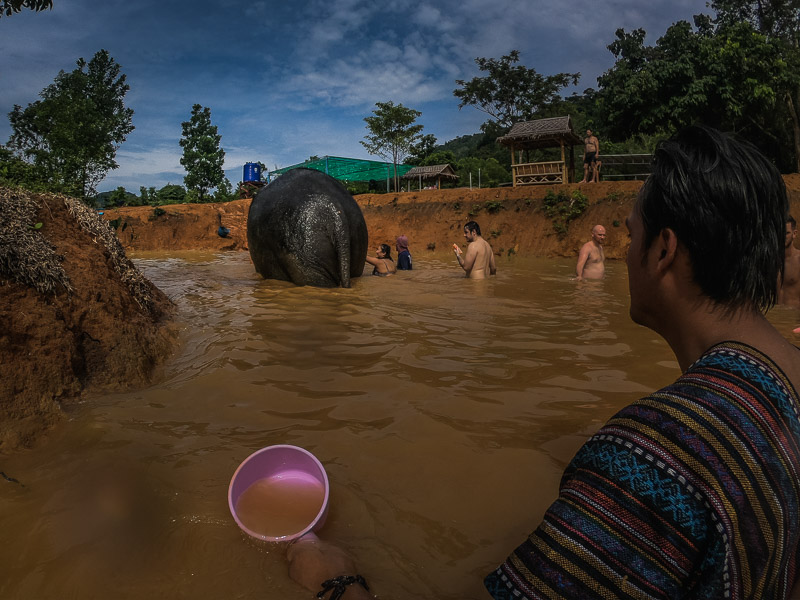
column 691, row 492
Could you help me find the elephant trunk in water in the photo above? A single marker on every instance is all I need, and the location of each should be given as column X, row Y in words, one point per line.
column 305, row 227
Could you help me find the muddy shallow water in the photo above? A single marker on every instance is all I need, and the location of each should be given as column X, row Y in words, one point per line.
column 443, row 409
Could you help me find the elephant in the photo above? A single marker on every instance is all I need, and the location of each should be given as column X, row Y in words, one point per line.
column 306, row 228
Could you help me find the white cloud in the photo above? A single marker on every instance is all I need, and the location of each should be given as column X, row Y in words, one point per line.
column 143, row 161
column 337, row 20
column 428, row 16
column 288, row 81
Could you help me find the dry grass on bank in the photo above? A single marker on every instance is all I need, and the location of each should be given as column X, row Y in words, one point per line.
column 28, row 258
column 25, row 255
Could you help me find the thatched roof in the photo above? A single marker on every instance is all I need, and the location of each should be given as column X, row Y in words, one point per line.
column 432, row 172
column 542, row 133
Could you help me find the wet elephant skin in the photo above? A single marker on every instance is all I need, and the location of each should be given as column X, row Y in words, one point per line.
column 306, row 228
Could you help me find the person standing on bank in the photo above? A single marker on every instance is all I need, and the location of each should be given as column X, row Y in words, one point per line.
column 403, row 255
column 382, row 264
column 591, row 259
column 591, row 153
column 694, row 490
column 478, row 262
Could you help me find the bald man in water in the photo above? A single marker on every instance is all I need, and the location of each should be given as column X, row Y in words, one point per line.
column 591, row 259
column 789, row 287
column 478, row 262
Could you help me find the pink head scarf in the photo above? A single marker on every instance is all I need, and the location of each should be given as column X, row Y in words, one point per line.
column 402, row 243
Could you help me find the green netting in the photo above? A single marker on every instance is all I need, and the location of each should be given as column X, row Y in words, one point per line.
column 350, row 169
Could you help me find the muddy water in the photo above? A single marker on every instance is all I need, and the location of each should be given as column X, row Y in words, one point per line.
column 443, row 410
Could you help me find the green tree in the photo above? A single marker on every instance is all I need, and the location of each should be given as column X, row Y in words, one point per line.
column 511, row 92
column 729, row 76
column 72, row 134
column 224, row 192
column 16, row 172
column 630, row 97
column 392, row 133
column 779, row 22
column 439, row 157
column 485, row 171
column 118, row 197
column 423, row 148
column 780, row 18
column 171, row 194
column 148, row 195
column 132, row 199
column 479, row 145
column 202, row 156
column 9, row 7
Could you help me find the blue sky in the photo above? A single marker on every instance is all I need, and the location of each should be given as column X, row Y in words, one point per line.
column 287, row 80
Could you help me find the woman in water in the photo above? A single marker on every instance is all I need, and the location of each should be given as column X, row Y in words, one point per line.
column 403, row 255
column 383, row 264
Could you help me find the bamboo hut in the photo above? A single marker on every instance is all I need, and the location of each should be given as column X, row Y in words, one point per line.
column 432, row 173
column 542, row 133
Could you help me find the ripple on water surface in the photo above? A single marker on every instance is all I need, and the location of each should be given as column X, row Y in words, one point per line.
column 443, row 409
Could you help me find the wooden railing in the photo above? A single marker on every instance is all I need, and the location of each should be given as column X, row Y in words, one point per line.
column 625, row 166
column 538, row 173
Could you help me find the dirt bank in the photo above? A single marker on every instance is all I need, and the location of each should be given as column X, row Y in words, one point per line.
column 75, row 314
column 181, row 226
column 513, row 219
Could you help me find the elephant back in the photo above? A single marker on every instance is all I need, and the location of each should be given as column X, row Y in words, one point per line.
column 306, row 228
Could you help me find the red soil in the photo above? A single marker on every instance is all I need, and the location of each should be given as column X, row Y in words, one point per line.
column 53, row 348
column 432, row 220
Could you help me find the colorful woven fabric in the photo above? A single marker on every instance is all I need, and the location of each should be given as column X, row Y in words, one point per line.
column 692, row 492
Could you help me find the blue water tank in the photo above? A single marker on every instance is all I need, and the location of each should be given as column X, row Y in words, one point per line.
column 252, row 172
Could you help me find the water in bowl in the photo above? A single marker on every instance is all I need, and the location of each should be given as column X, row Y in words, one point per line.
column 281, row 505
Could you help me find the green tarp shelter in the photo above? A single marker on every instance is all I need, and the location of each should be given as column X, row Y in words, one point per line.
column 349, row 169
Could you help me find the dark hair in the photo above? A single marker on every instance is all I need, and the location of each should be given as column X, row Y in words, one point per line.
column 387, row 251
column 473, row 226
column 791, row 221
column 727, row 205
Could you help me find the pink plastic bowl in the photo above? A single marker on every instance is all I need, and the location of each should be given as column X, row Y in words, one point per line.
column 272, row 461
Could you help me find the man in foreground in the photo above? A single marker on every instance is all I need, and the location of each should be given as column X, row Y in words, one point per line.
column 478, row 262
column 789, row 286
column 591, row 259
column 693, row 491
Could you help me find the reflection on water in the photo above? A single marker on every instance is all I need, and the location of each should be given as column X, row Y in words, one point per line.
column 443, row 409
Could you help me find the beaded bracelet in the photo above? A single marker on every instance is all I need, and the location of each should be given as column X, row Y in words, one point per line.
column 339, row 585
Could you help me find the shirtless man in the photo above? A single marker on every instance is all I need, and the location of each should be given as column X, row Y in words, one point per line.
column 591, row 151
column 479, row 259
column 591, row 259
column 789, row 289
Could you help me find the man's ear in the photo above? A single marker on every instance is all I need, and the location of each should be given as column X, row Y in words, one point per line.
column 666, row 248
